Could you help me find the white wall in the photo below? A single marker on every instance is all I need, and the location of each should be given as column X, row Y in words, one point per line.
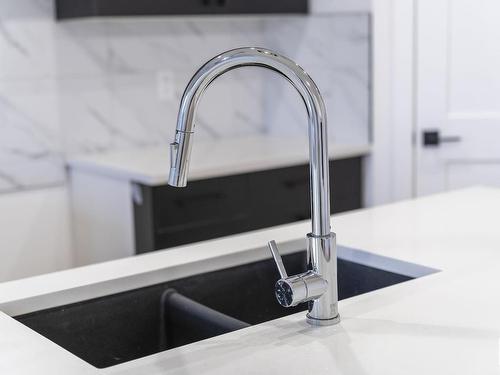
column 34, row 233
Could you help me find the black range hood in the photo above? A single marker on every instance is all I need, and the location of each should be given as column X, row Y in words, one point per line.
column 96, row 8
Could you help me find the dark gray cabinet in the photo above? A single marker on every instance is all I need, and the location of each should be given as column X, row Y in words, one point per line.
column 166, row 216
column 98, row 8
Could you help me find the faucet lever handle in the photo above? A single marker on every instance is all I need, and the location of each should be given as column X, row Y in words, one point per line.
column 277, row 258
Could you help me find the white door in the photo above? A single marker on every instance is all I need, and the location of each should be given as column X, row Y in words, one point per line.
column 457, row 94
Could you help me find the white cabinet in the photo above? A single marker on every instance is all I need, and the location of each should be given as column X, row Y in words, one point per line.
column 35, row 235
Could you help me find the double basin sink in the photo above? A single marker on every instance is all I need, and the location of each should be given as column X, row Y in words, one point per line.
column 122, row 327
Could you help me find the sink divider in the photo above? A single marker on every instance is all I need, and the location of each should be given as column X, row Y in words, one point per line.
column 178, row 311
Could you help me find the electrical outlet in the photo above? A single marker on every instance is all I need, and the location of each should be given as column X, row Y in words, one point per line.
column 165, row 85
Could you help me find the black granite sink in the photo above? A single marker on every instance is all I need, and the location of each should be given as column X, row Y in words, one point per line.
column 118, row 328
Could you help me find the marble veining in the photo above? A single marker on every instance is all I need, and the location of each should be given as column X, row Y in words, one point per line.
column 335, row 52
column 30, row 147
column 99, row 85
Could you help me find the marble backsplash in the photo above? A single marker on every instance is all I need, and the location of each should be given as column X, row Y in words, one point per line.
column 100, row 85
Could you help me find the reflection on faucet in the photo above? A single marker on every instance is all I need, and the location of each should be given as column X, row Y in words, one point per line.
column 318, row 286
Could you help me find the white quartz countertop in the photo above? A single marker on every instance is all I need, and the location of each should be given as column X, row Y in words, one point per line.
column 444, row 323
column 150, row 166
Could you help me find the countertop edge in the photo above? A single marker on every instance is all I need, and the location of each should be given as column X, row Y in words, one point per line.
column 99, row 165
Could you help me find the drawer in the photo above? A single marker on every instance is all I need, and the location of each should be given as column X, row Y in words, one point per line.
column 283, row 195
column 204, row 209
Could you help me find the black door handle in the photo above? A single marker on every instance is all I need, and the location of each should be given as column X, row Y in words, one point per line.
column 432, row 138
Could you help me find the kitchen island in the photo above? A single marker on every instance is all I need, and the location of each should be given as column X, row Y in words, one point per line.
column 444, row 323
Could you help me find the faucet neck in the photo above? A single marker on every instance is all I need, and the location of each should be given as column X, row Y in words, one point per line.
column 309, row 92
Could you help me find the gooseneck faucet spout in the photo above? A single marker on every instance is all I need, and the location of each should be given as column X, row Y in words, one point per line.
column 318, row 286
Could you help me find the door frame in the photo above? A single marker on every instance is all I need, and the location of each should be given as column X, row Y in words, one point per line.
column 390, row 171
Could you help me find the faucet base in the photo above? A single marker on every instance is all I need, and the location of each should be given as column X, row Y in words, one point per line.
column 323, row 322
column 322, row 253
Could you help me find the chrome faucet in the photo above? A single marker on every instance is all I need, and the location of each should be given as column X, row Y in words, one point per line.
column 317, row 286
